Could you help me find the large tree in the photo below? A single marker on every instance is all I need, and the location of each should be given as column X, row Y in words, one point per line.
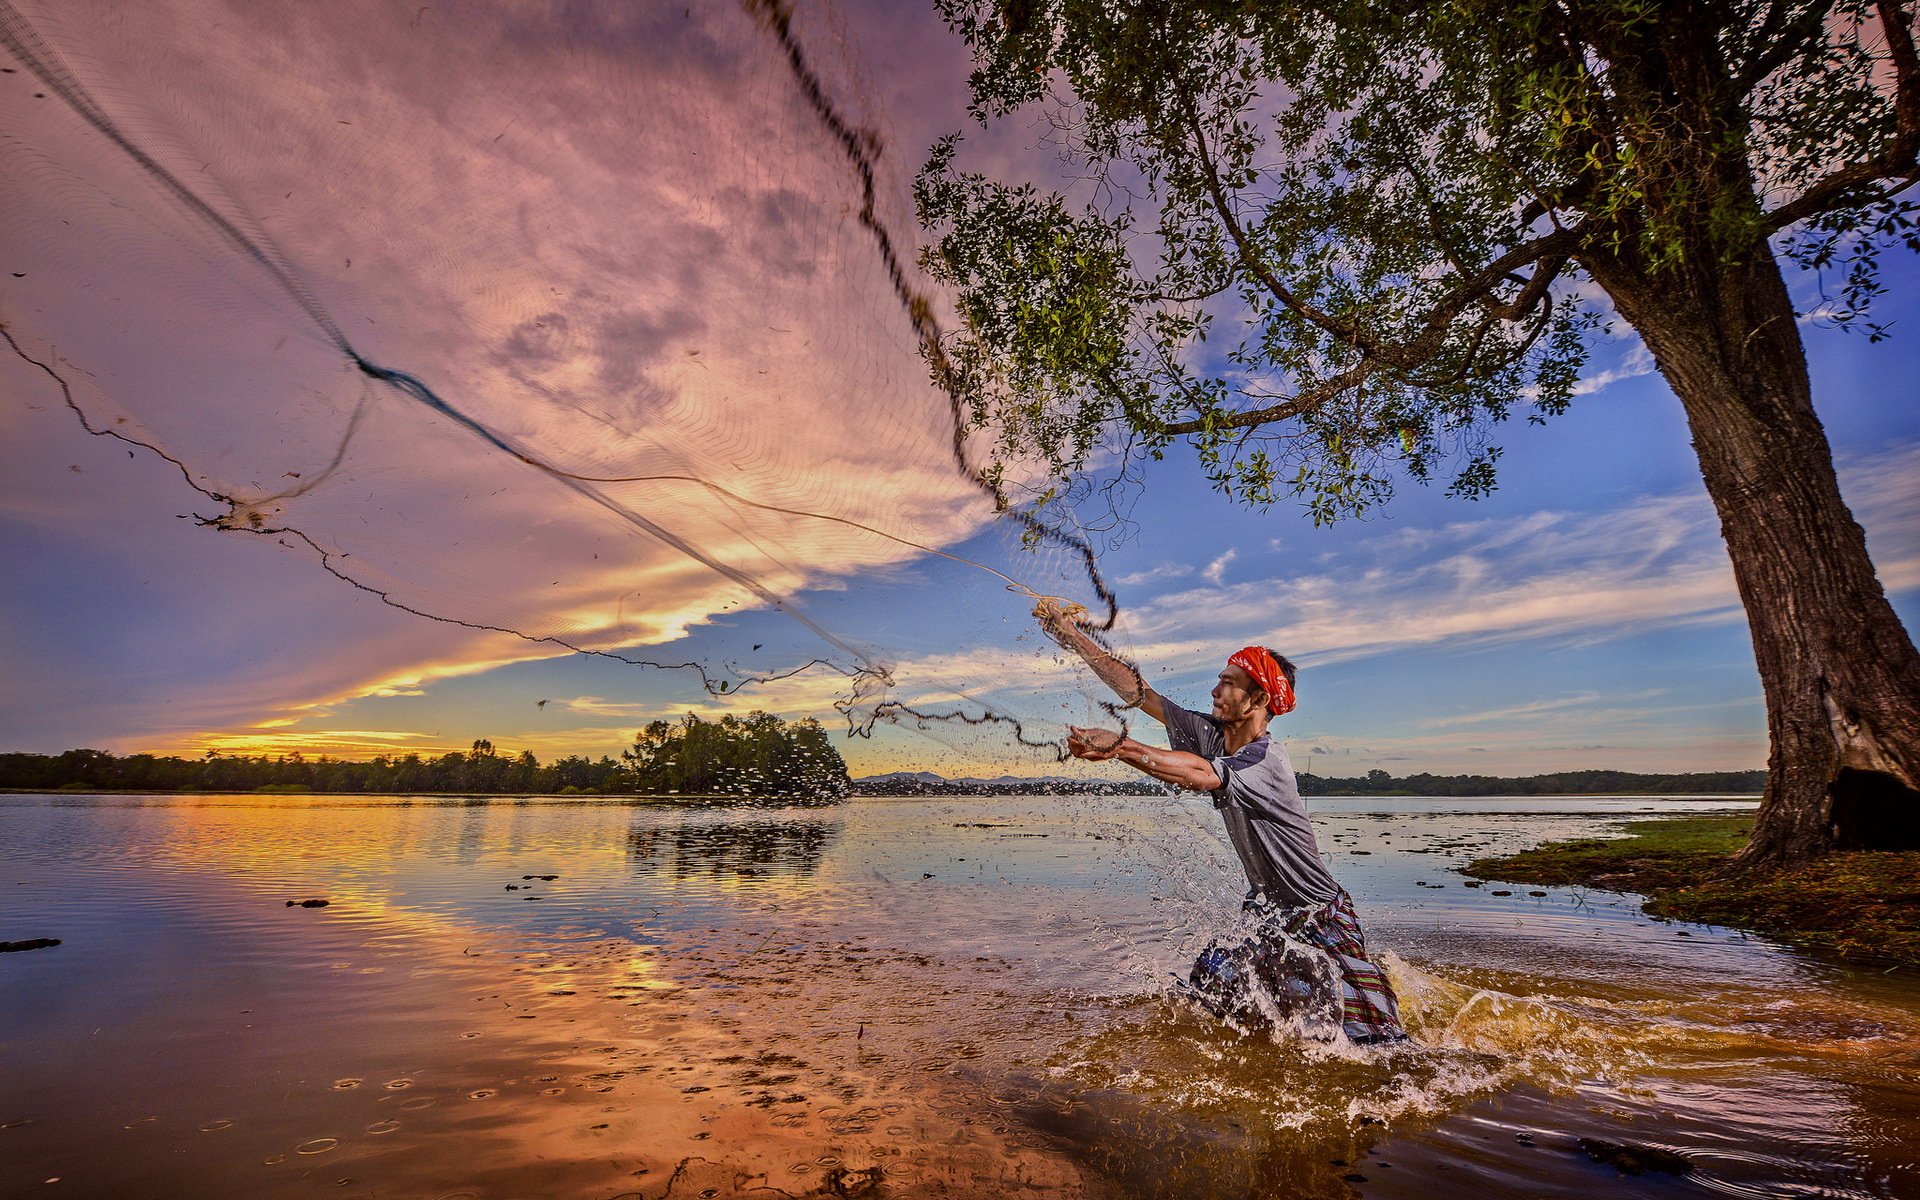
column 1334, row 242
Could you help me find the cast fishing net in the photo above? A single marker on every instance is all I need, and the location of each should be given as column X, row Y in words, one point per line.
column 594, row 325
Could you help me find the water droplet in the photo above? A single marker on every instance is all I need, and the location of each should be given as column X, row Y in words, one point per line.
column 383, row 1127
column 316, row 1146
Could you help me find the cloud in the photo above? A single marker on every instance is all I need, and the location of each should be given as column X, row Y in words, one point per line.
column 1216, row 570
column 1637, row 363
column 1530, row 709
column 1155, row 574
column 1654, row 738
column 336, row 743
column 594, row 706
column 659, row 286
column 1656, row 561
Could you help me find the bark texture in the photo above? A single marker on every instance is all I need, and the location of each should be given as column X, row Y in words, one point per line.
column 1840, row 673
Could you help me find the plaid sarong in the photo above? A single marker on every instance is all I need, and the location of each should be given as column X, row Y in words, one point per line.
column 1308, row 965
column 1369, row 1012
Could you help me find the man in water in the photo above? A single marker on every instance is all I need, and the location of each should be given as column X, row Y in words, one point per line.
column 1229, row 753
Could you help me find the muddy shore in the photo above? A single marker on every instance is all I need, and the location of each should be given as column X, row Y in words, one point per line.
column 1863, row 906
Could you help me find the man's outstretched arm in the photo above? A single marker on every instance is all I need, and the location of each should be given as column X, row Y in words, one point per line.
column 1061, row 623
column 1176, row 767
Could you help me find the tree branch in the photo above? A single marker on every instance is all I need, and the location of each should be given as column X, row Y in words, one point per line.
column 1300, row 405
column 1899, row 163
column 1405, row 355
column 1533, row 292
column 1779, row 39
column 1171, row 298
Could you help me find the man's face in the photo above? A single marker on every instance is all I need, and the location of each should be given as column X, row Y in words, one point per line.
column 1236, row 696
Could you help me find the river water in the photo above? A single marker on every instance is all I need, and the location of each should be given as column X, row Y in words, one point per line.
column 889, row 997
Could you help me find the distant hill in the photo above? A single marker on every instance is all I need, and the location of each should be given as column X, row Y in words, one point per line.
column 1559, row 783
column 1375, row 783
column 927, row 783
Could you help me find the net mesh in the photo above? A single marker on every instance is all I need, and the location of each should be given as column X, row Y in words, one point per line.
column 594, row 325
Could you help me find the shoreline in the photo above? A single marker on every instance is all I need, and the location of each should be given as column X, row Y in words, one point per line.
column 734, row 796
column 1861, row 906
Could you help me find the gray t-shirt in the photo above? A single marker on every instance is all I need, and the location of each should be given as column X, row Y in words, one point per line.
column 1260, row 802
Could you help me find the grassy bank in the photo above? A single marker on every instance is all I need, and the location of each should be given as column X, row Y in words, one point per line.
column 1863, row 906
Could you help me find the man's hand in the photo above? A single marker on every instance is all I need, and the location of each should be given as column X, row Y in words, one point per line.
column 1060, row 619
column 1094, row 745
column 1067, row 623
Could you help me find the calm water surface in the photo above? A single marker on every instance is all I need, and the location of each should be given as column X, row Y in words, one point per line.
column 928, row 996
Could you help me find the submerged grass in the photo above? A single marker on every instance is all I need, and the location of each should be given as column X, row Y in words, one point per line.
column 1861, row 905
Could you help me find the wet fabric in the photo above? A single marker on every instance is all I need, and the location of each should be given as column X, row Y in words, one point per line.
column 1260, row 802
column 1307, row 967
column 1369, row 1011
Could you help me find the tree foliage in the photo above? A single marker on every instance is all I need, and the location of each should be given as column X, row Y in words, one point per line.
column 1333, row 242
column 755, row 755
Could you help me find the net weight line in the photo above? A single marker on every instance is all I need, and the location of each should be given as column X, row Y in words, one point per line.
column 255, row 247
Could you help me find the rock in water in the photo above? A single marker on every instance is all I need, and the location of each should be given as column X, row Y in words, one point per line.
column 29, row 944
column 1630, row 1159
column 848, row 1183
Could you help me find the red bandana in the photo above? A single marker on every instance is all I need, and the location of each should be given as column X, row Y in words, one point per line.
column 1258, row 661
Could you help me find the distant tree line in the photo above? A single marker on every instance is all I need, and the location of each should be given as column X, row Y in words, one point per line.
column 1373, row 783
column 1559, row 783
column 754, row 755
column 481, row 769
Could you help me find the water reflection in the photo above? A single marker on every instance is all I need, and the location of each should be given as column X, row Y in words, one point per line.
column 786, row 847
column 967, row 995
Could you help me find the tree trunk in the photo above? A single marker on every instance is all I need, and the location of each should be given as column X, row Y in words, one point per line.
column 1840, row 673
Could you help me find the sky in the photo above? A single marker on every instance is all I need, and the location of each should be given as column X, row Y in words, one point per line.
column 624, row 251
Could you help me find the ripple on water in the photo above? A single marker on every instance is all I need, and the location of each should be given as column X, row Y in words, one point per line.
column 948, row 993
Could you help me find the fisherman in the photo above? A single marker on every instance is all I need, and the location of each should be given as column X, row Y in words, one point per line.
column 1229, row 753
